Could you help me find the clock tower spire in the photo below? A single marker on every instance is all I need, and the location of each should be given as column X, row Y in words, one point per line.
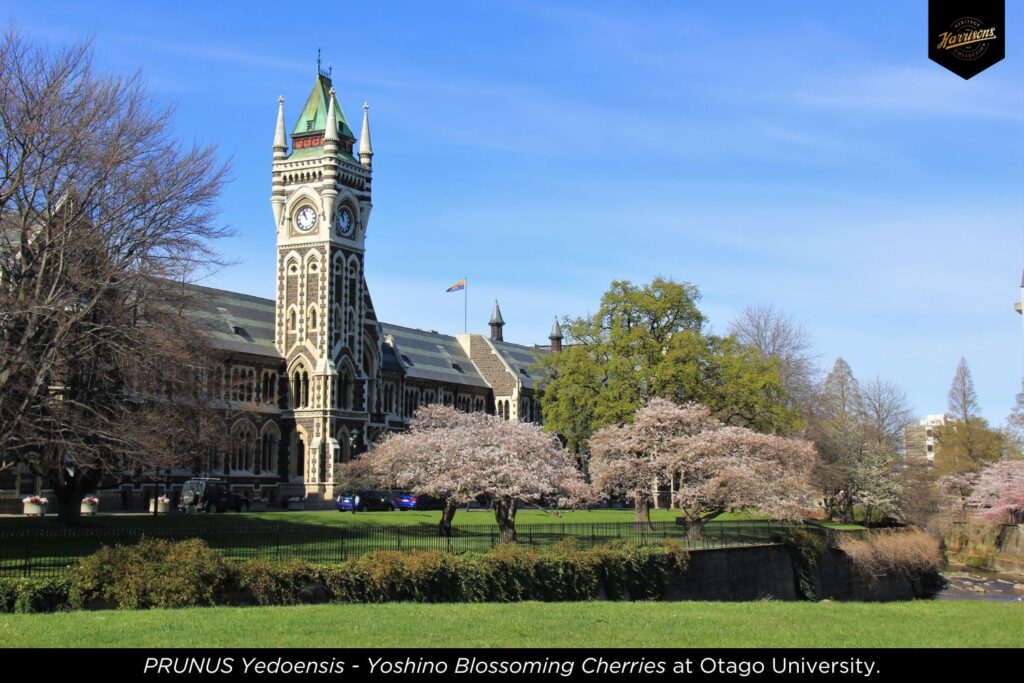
column 324, row 324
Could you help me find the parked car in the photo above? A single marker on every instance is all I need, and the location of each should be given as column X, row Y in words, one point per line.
column 413, row 501
column 210, row 495
column 365, row 501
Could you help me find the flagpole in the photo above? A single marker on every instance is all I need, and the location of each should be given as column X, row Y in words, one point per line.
column 465, row 307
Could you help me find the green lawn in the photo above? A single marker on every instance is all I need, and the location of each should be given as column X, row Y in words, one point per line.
column 589, row 624
column 335, row 518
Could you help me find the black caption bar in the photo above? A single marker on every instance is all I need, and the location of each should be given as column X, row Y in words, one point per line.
column 512, row 664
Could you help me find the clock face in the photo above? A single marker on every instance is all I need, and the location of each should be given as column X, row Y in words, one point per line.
column 305, row 219
column 345, row 221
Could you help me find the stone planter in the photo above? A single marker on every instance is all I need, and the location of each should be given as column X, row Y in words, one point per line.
column 88, row 508
column 296, row 505
column 162, row 506
column 258, row 506
column 34, row 509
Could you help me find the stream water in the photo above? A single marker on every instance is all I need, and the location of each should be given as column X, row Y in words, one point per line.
column 974, row 584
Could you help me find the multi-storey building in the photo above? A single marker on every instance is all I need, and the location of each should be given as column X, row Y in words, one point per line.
column 919, row 441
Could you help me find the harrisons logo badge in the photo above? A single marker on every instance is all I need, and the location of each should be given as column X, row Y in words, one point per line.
column 966, row 37
column 969, row 39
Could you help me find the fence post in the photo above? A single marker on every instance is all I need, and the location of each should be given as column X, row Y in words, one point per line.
column 27, row 569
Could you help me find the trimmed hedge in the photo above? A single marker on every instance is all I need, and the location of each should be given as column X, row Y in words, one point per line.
column 34, row 595
column 161, row 573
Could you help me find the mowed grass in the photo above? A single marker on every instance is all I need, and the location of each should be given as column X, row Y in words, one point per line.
column 333, row 518
column 532, row 624
column 330, row 518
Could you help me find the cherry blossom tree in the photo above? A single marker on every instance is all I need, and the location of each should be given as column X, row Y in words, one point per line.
column 730, row 468
column 719, row 468
column 460, row 457
column 999, row 493
column 626, row 459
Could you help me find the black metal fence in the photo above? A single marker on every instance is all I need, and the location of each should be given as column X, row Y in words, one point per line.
column 52, row 552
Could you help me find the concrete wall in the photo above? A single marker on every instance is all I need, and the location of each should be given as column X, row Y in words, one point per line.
column 758, row 572
column 736, row 574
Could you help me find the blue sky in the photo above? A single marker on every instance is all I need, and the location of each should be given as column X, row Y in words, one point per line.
column 801, row 153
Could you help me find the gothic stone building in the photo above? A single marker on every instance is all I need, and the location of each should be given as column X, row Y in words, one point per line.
column 313, row 377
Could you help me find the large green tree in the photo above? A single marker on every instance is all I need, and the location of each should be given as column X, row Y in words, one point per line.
column 651, row 341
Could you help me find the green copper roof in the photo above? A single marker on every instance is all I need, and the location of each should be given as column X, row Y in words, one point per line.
column 316, row 111
column 314, row 152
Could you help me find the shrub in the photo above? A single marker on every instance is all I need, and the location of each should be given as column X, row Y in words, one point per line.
column 427, row 576
column 273, row 583
column 33, row 595
column 914, row 553
column 150, row 573
column 642, row 573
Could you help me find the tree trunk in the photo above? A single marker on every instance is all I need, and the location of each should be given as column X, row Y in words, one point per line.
column 69, row 505
column 642, row 515
column 444, row 527
column 695, row 529
column 68, row 489
column 505, row 514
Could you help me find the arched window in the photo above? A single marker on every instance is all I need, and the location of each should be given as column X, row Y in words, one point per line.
column 345, row 393
column 314, row 318
column 344, row 453
column 351, row 328
column 300, row 387
column 269, row 444
column 243, row 446
column 336, row 324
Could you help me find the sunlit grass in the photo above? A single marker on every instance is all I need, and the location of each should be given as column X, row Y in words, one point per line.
column 531, row 624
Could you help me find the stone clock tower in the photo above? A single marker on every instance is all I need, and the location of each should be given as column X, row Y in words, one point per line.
column 325, row 327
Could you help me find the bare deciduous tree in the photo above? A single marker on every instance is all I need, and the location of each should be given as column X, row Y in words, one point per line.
column 100, row 207
column 886, row 412
column 779, row 336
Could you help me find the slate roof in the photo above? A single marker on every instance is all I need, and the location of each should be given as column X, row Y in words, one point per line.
column 521, row 359
column 237, row 322
column 434, row 356
column 243, row 323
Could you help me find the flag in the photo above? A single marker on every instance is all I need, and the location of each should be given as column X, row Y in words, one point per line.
column 461, row 284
